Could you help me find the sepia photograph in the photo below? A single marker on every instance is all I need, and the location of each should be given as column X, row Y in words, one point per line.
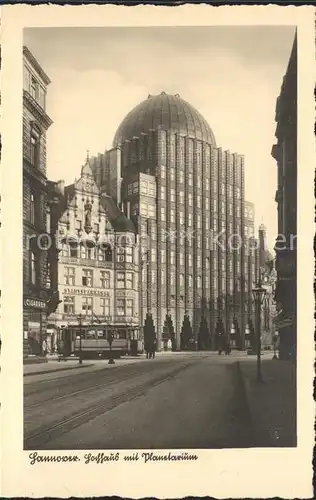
column 159, row 237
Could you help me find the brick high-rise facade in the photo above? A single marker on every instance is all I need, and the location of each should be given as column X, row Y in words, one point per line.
column 183, row 191
column 39, row 297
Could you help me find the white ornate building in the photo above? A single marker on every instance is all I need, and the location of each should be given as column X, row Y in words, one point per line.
column 98, row 259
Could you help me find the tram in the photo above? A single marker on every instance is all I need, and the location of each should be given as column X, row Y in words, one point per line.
column 92, row 341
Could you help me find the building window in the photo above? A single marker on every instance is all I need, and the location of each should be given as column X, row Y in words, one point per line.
column 120, row 280
column 96, row 228
column 151, row 189
column 181, row 176
column 104, row 279
column 74, row 252
column 163, row 256
column 207, row 184
column 32, row 209
column 215, row 205
column 199, row 282
column 181, row 259
column 87, row 253
column 48, row 219
column 181, row 197
column 163, row 214
column 64, row 250
column 120, row 307
column 172, row 257
column 198, row 261
column 144, row 188
column 181, row 218
column 129, row 254
column 190, row 179
column 70, row 276
column 172, row 216
column 198, row 222
column 33, row 265
column 34, row 88
column 162, row 193
column 151, row 211
column 190, row 260
column 198, row 201
column 153, row 255
column 69, row 305
column 190, row 220
column 105, row 306
column 87, row 277
column 181, row 280
column 153, row 277
column 129, row 307
column 35, row 146
column 172, row 174
column 129, row 280
column 190, row 280
column 87, row 306
column 190, row 200
column 238, row 193
column 162, row 277
column 172, row 195
column 162, row 172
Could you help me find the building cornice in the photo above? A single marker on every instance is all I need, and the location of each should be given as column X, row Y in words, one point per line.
column 36, row 110
column 29, row 56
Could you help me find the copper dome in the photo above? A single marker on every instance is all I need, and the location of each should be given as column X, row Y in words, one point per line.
column 166, row 112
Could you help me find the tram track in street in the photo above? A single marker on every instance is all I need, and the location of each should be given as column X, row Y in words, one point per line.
column 45, row 434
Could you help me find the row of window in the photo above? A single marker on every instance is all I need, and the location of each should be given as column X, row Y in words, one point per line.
column 145, row 188
column 90, row 278
column 123, row 254
column 124, row 307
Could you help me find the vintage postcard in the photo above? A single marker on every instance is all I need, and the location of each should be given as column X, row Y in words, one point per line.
column 157, row 258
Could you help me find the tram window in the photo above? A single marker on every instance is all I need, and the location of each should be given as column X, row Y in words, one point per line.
column 90, row 334
column 100, row 334
column 121, row 334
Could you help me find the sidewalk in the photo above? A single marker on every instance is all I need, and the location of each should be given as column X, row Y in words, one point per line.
column 272, row 405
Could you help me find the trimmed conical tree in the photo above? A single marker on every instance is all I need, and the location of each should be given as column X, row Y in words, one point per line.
column 149, row 332
column 168, row 331
column 204, row 335
column 186, row 333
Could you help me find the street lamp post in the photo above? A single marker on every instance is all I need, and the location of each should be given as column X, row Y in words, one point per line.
column 258, row 295
column 80, row 338
column 110, row 341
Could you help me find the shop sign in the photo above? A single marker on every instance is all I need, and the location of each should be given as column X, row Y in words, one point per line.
column 85, row 291
column 34, row 303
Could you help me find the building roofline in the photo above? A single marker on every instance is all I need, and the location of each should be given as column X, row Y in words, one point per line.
column 29, row 56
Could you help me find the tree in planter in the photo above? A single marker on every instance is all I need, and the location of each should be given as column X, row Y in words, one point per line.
column 237, row 335
column 186, row 333
column 149, row 334
column 204, row 335
column 168, row 331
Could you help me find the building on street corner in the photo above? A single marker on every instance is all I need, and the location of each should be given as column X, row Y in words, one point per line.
column 98, row 261
column 40, row 294
column 285, row 154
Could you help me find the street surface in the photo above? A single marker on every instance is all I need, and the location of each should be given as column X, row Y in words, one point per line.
column 191, row 400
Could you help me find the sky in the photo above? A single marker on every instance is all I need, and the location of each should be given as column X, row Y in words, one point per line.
column 232, row 75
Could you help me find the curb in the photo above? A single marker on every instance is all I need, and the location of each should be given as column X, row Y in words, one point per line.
column 55, row 370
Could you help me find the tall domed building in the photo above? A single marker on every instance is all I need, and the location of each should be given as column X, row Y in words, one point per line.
column 167, row 172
